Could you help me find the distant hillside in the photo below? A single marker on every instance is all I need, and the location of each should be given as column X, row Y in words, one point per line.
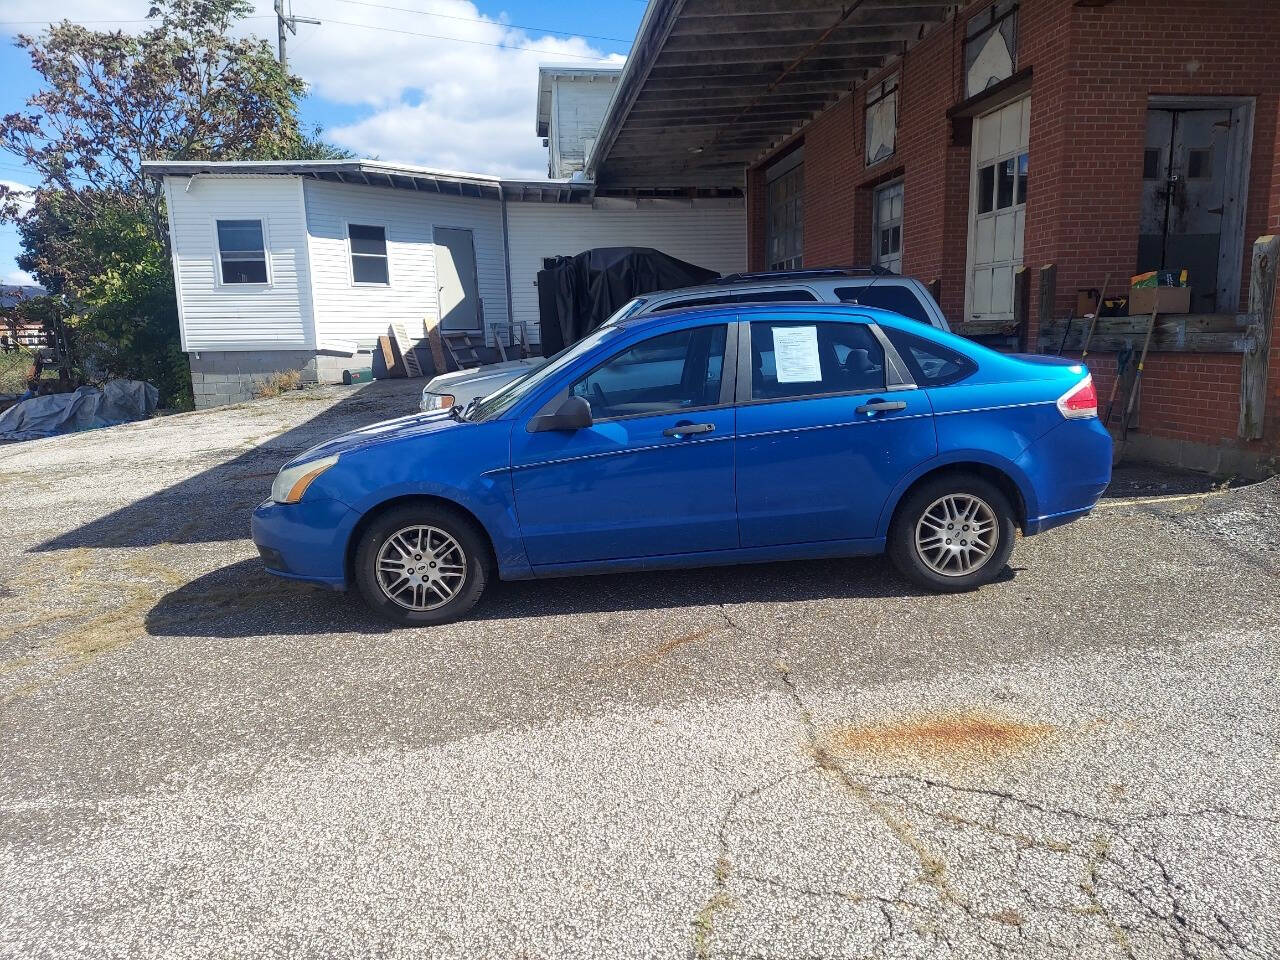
column 9, row 294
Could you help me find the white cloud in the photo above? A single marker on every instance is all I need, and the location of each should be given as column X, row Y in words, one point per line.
column 22, row 194
column 18, row 278
column 458, row 103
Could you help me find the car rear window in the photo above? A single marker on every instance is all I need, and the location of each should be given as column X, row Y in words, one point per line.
column 931, row 364
column 893, row 297
column 762, row 296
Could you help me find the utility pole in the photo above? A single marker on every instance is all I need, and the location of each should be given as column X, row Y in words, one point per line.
column 287, row 21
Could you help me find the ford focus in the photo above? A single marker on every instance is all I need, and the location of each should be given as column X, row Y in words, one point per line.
column 701, row 437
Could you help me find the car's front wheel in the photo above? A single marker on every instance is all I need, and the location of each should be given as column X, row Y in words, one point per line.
column 952, row 533
column 421, row 564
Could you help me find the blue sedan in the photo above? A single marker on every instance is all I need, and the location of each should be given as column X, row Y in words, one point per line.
column 714, row 436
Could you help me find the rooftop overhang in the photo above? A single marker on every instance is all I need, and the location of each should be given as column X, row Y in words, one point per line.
column 710, row 85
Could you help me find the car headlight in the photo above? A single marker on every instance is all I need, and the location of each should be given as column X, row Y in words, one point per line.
column 435, row 401
column 292, row 482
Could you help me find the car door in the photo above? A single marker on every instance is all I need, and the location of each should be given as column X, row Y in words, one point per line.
column 653, row 474
column 828, row 422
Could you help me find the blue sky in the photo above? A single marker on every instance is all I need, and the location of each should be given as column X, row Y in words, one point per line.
column 446, row 83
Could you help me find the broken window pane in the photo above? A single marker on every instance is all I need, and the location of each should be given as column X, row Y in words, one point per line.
column 1151, row 164
column 1004, row 191
column 986, row 187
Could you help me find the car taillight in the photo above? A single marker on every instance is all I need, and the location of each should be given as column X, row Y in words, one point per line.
column 1080, row 401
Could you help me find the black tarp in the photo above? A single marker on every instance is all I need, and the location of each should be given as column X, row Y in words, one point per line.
column 577, row 294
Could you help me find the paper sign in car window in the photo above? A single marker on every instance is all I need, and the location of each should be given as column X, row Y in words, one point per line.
column 795, row 353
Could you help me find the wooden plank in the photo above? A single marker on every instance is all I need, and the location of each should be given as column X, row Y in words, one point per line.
column 1020, row 305
column 1253, row 368
column 1048, row 291
column 935, row 290
column 1163, row 341
column 391, row 358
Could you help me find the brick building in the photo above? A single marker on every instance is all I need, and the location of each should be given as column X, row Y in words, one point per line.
column 1012, row 153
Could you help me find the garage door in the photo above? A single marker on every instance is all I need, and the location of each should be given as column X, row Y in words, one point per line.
column 997, row 209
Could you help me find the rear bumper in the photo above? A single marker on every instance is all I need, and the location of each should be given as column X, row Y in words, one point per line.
column 1070, row 467
column 304, row 541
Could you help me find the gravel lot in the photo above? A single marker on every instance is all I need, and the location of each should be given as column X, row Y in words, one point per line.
column 787, row 760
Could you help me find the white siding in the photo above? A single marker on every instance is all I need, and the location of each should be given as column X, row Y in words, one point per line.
column 577, row 110
column 360, row 313
column 710, row 236
column 217, row 316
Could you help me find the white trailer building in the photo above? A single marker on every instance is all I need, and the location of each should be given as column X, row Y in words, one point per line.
column 303, row 264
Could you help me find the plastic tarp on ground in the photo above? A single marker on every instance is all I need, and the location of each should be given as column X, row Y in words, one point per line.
column 119, row 401
column 577, row 294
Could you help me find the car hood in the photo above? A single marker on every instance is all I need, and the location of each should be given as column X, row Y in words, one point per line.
column 448, row 382
column 416, row 425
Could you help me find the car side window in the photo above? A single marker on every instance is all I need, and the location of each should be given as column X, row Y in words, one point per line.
column 676, row 371
column 930, row 364
column 894, row 297
column 799, row 359
column 762, row 296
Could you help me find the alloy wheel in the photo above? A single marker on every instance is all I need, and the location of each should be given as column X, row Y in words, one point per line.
column 957, row 534
column 420, row 567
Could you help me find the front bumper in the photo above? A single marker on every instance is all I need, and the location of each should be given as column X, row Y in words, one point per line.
column 305, row 540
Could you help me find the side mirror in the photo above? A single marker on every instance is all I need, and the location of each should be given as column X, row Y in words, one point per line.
column 573, row 414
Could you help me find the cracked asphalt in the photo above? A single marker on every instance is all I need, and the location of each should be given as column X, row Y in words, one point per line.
column 784, row 760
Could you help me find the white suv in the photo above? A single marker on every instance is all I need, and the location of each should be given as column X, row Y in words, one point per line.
column 872, row 287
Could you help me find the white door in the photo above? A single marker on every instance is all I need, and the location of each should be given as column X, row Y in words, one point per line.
column 459, row 287
column 997, row 209
column 886, row 238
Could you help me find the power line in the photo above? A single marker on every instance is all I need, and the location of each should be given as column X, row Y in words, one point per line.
column 370, row 26
column 481, row 43
column 496, row 23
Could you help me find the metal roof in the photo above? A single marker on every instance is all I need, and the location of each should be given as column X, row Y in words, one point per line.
column 710, row 85
column 377, row 173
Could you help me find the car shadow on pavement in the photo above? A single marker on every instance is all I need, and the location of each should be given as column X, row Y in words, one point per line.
column 243, row 600
column 214, row 504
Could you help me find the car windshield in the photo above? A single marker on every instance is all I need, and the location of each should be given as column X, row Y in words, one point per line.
column 508, row 395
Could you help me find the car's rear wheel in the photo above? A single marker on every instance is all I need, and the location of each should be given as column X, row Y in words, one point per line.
column 952, row 533
column 422, row 564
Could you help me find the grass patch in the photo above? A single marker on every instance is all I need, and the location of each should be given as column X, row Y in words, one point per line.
column 283, row 381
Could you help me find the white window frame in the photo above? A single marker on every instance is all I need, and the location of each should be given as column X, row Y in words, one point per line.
column 875, row 220
column 219, row 281
column 351, row 255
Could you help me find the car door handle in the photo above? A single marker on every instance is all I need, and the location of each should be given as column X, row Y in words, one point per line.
column 876, row 406
column 681, row 429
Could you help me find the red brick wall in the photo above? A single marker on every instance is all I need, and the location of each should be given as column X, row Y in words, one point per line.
column 1093, row 71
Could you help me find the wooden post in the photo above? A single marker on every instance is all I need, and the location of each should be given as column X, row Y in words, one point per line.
column 1048, row 291
column 935, row 290
column 1021, row 309
column 1253, row 369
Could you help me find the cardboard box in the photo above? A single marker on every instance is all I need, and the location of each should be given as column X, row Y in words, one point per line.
column 1086, row 301
column 1142, row 300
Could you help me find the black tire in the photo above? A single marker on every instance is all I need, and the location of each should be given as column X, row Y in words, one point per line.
column 906, row 555
column 453, row 523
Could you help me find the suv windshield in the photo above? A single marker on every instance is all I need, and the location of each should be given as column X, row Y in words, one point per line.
column 506, row 397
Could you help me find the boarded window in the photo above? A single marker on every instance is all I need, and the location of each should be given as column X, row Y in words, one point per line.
column 990, row 46
column 242, row 255
column 368, row 254
column 882, row 119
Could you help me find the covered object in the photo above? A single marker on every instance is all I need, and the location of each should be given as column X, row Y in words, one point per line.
column 577, row 294
column 119, row 401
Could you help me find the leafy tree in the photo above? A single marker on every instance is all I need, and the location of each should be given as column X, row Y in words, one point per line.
column 184, row 89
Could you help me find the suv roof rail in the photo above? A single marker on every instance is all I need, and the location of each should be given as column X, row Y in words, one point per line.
column 816, row 273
